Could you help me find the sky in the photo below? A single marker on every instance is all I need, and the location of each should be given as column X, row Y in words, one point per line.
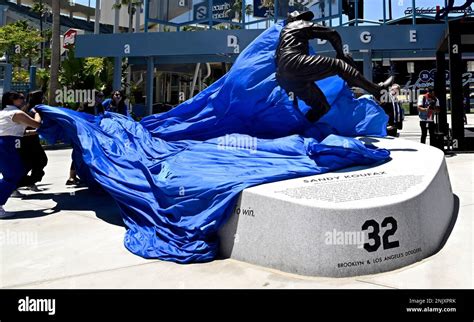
column 86, row 2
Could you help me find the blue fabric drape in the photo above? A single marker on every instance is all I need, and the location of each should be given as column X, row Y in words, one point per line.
column 176, row 175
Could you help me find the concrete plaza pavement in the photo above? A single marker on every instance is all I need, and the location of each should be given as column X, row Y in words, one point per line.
column 65, row 237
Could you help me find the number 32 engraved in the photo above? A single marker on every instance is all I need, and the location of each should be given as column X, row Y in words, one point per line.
column 374, row 234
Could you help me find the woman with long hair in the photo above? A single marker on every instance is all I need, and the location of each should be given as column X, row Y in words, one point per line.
column 13, row 123
column 117, row 103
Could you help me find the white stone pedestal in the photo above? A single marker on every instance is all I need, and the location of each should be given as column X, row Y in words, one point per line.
column 357, row 221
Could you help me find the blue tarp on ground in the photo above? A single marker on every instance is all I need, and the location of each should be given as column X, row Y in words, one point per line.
column 176, row 176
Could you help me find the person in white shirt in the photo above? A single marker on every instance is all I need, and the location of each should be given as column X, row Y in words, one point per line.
column 13, row 123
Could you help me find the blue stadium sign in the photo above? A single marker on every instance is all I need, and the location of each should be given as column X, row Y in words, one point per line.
column 221, row 9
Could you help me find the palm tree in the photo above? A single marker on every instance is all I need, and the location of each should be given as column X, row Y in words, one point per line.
column 267, row 3
column 270, row 5
column 236, row 10
column 55, row 52
column 42, row 10
column 132, row 6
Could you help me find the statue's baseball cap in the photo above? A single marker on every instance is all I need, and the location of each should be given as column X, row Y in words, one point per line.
column 296, row 15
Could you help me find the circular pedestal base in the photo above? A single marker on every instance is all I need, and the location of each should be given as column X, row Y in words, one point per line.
column 356, row 221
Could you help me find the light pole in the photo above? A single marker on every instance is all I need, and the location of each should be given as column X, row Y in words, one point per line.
column 390, row 10
column 97, row 17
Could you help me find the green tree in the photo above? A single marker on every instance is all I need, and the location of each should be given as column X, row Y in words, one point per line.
column 270, row 5
column 86, row 73
column 236, row 10
column 21, row 75
column 19, row 41
column 188, row 28
column 71, row 74
column 267, row 4
column 42, row 77
column 40, row 8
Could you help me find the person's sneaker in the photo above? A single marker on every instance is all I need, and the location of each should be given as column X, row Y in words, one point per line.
column 34, row 188
column 5, row 214
column 17, row 194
